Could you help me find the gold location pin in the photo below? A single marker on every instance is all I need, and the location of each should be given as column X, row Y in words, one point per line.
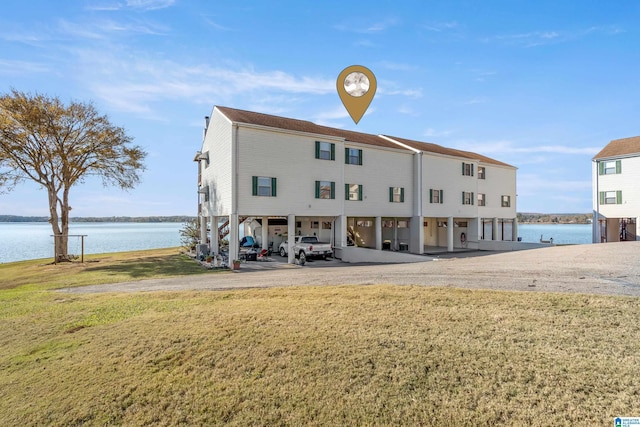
column 356, row 86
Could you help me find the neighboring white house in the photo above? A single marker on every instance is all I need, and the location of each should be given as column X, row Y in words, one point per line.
column 289, row 177
column 616, row 191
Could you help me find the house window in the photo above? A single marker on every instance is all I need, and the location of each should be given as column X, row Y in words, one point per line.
column 387, row 223
column 481, row 172
column 263, row 186
column 467, row 198
column 462, row 224
column 481, row 201
column 436, row 196
column 467, row 169
column 352, row 156
column 315, row 224
column 326, row 225
column 403, row 223
column 506, row 201
column 364, row 223
column 396, row 194
column 325, row 150
column 298, row 224
column 325, row 190
column 611, row 197
column 610, row 167
column 352, row 192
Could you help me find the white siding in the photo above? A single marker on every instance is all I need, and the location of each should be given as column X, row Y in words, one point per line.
column 291, row 159
column 499, row 181
column 218, row 176
column 445, row 173
column 627, row 182
column 380, row 169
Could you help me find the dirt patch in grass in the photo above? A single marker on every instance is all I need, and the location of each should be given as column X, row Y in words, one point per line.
column 380, row 355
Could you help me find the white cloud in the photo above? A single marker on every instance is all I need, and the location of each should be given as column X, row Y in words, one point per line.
column 150, row 4
column 441, row 26
column 13, row 67
column 433, row 133
column 367, row 28
column 396, row 66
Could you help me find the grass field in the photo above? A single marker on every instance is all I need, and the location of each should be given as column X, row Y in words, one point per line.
column 371, row 355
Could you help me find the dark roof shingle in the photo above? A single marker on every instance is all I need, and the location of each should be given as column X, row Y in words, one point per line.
column 260, row 119
column 620, row 147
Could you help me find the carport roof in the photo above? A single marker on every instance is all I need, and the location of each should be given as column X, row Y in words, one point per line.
column 260, row 119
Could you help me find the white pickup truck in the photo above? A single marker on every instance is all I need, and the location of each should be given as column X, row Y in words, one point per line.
column 307, row 246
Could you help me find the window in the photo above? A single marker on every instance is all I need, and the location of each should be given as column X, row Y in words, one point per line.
column 610, row 167
column 387, row 223
column 396, row 194
column 462, row 224
column 506, row 201
column 315, row 224
column 481, row 172
column 364, row 223
column 481, row 201
column 325, row 150
column 467, row 169
column 611, row 197
column 298, row 224
column 325, row 190
column 352, row 156
column 352, row 192
column 436, row 196
column 326, row 225
column 403, row 223
column 263, row 186
column 467, row 198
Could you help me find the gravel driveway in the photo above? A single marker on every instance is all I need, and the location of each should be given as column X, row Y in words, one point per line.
column 611, row 268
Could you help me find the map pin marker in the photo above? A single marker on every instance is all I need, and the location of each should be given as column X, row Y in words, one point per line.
column 356, row 86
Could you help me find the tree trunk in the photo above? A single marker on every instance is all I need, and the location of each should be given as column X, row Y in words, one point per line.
column 59, row 236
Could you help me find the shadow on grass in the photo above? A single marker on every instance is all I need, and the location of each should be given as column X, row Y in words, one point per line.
column 169, row 265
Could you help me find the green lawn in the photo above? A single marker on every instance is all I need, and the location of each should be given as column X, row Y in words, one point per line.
column 371, row 355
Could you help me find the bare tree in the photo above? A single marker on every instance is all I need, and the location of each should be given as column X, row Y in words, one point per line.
column 57, row 146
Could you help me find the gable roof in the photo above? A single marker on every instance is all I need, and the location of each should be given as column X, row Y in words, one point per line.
column 260, row 119
column 620, row 147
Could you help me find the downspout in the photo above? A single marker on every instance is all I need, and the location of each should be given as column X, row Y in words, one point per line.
column 596, row 220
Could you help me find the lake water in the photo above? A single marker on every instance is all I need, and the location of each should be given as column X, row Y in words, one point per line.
column 32, row 240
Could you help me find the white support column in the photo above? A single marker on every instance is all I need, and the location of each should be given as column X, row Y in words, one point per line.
column 234, row 238
column 379, row 233
column 203, row 229
column 265, row 232
column 416, row 239
column 450, row 234
column 291, row 235
column 514, row 230
column 495, row 229
column 214, row 248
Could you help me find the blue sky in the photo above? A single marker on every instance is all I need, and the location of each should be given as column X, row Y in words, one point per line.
column 542, row 85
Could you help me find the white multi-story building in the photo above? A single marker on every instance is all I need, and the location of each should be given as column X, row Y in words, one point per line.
column 291, row 177
column 616, row 191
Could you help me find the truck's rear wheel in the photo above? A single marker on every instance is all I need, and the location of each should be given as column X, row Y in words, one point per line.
column 283, row 253
column 303, row 258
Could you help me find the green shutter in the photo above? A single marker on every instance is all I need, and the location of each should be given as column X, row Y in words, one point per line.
column 472, row 169
column 360, row 192
column 600, row 168
column 618, row 166
column 273, row 187
column 333, row 151
column 463, row 197
column 441, row 196
column 391, row 194
column 462, row 168
column 602, row 197
column 317, row 149
column 346, row 191
column 333, row 188
column 430, row 195
column 472, row 197
column 346, row 156
column 254, row 185
column 360, row 157
column 317, row 189
column 618, row 197
column 402, row 195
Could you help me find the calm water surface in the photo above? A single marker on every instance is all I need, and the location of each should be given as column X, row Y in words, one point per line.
column 32, row 240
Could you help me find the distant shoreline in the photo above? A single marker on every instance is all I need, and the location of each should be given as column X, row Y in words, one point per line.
column 139, row 219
